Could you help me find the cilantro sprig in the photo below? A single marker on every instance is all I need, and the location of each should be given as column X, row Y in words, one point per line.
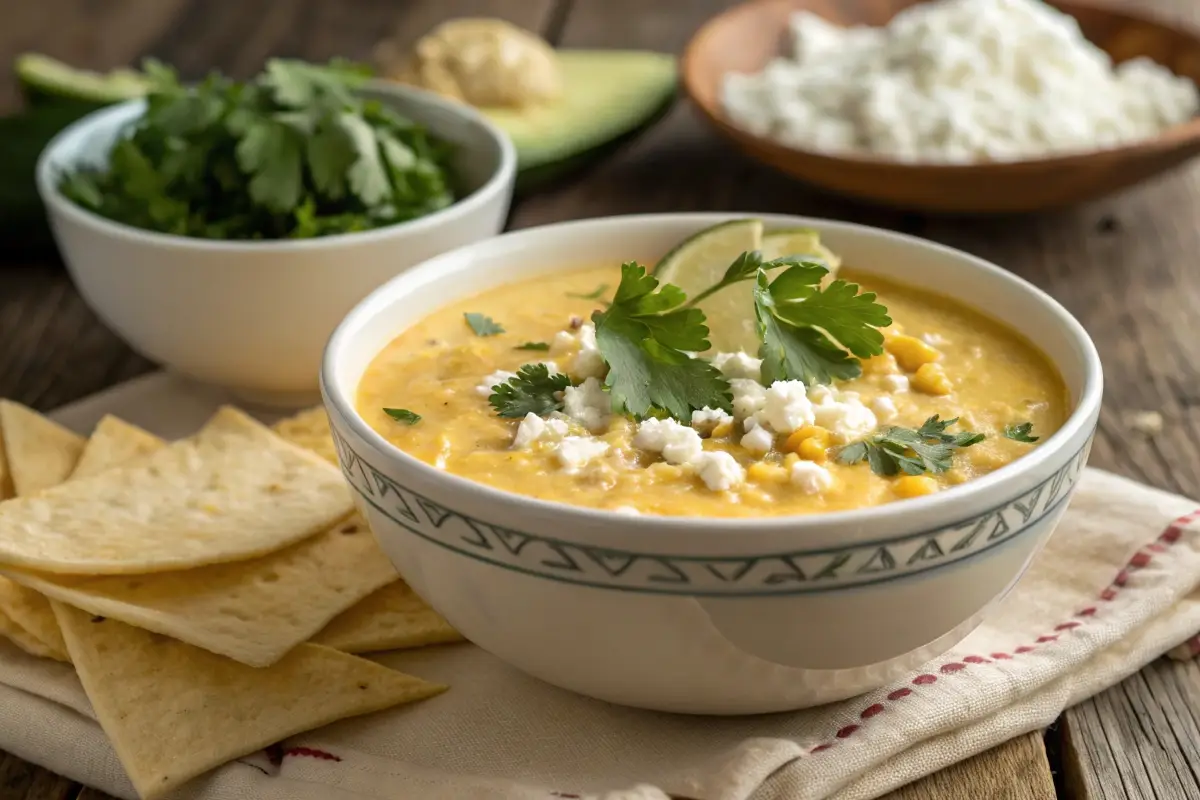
column 403, row 415
column 894, row 449
column 294, row 153
column 645, row 336
column 1021, row 433
column 482, row 324
column 533, row 389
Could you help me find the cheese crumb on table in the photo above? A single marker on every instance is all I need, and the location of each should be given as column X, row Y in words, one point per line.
column 956, row 81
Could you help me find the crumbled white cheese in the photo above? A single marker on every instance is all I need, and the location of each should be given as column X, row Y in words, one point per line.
column 896, row 384
column 786, row 407
column 758, row 441
column 738, row 365
column 748, row 397
column 562, row 342
column 588, row 362
column 810, row 478
column 884, row 408
column 846, row 418
column 820, row 395
column 706, row 419
column 628, row 511
column 588, row 404
column 497, row 377
column 575, row 451
column 956, row 81
column 934, row 339
column 679, row 444
column 535, row 429
column 719, row 470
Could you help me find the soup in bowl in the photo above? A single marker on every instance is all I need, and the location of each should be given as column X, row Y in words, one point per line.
column 707, row 464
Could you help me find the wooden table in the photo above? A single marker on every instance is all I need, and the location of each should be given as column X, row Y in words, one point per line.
column 1126, row 266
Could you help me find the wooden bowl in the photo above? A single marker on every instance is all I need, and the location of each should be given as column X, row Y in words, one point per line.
column 745, row 37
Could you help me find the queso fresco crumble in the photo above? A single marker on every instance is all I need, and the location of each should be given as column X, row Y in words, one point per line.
column 528, row 388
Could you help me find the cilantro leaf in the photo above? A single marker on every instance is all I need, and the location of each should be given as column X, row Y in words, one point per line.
column 747, row 266
column 595, row 294
column 540, row 346
column 293, row 153
column 533, row 390
column 802, row 325
column 642, row 337
column 1020, row 433
column 482, row 324
column 403, row 415
column 894, row 449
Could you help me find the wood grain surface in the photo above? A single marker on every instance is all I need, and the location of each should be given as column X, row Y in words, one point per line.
column 1126, row 266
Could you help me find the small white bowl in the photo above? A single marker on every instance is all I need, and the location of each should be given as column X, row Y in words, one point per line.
column 254, row 316
column 707, row 615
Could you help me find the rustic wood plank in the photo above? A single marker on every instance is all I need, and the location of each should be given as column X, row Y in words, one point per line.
column 1139, row 740
column 21, row 781
column 1016, row 770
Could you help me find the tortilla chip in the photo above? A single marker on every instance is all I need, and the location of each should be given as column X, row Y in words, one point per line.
column 40, row 453
column 252, row 611
column 394, row 618
column 114, row 443
column 310, row 429
column 28, row 642
column 31, row 611
column 173, row 711
column 232, row 492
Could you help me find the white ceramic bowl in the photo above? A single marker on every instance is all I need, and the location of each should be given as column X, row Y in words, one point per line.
column 255, row 316
column 706, row 615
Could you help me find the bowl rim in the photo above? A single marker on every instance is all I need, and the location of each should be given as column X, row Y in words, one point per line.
column 501, row 179
column 1176, row 134
column 911, row 513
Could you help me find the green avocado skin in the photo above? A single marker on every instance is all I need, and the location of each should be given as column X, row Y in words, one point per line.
column 543, row 176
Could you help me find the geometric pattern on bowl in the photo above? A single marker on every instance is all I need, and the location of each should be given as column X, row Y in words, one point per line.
column 750, row 575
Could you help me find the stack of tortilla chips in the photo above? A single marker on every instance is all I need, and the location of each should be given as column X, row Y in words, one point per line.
column 211, row 590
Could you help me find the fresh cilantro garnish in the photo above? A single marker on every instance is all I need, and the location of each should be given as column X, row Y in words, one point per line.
column 294, row 153
column 1020, row 433
column 542, row 346
column 894, row 449
column 595, row 294
column 482, row 324
column 801, row 325
column 643, row 336
column 533, row 389
column 746, row 266
column 403, row 415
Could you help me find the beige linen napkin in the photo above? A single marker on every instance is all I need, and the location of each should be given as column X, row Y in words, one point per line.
column 1116, row 586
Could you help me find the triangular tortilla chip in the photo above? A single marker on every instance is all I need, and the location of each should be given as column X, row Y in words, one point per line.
column 41, row 453
column 26, row 641
column 310, row 429
column 173, row 711
column 251, row 611
column 31, row 611
column 232, row 492
column 394, row 618
column 114, row 443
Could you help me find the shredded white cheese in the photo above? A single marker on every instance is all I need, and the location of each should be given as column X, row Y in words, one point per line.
column 956, row 81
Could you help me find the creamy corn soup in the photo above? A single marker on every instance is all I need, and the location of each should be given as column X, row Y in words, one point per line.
column 778, row 450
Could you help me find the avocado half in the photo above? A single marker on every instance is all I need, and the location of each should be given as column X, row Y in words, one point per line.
column 609, row 97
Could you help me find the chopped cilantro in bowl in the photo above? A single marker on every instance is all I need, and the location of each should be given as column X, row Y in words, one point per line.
column 294, row 153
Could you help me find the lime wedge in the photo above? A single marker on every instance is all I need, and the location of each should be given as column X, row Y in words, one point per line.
column 799, row 242
column 700, row 262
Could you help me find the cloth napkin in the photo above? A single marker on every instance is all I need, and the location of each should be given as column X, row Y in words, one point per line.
column 1115, row 587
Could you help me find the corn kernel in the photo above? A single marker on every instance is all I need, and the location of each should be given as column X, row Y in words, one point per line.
column 956, row 476
column 762, row 472
column 914, row 486
column 790, row 460
column 663, row 471
column 884, row 364
column 911, row 352
column 812, row 450
column 931, row 379
column 724, row 429
column 796, row 437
